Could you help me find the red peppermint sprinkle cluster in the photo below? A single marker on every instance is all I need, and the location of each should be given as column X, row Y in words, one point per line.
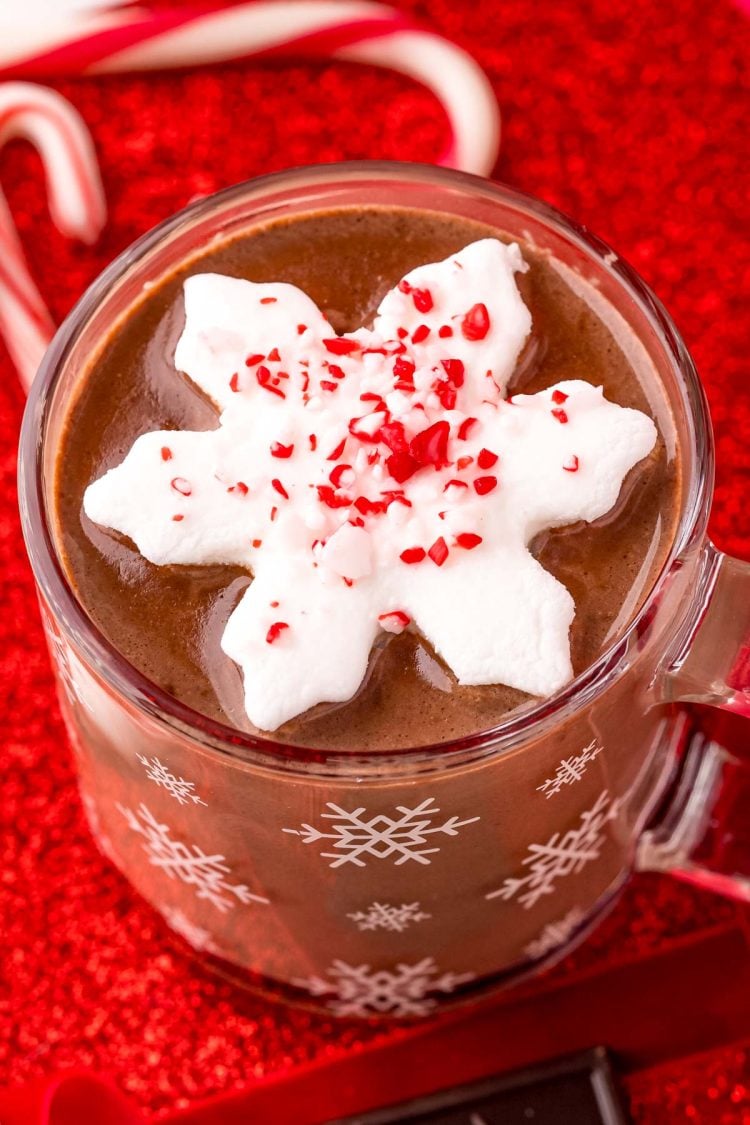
column 387, row 442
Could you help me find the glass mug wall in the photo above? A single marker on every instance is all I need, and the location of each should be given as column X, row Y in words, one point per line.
column 397, row 883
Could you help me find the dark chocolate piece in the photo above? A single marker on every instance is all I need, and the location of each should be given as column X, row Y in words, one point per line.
column 575, row 1090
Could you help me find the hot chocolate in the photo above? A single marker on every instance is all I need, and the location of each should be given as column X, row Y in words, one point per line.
column 169, row 620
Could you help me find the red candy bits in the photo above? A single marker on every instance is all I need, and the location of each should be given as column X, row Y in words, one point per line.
column 275, row 631
column 337, row 473
column 465, row 428
column 413, row 555
column 483, row 485
column 468, row 540
column 401, row 466
column 476, row 324
column 438, row 552
column 454, row 369
column 422, row 299
column 339, row 345
column 430, row 446
column 486, row 459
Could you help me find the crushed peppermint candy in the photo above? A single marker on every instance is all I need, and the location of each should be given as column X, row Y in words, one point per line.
column 413, row 555
column 395, row 621
column 438, row 552
column 468, row 540
column 476, row 323
column 275, row 630
column 483, row 485
column 407, row 479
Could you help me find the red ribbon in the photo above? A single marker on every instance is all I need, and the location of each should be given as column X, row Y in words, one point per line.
column 69, row 1099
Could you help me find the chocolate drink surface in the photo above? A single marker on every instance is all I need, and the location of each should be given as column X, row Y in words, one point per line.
column 167, row 621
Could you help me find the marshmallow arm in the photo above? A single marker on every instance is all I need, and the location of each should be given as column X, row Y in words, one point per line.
column 599, row 443
column 228, row 319
column 214, row 525
column 482, row 273
column 321, row 655
column 501, row 619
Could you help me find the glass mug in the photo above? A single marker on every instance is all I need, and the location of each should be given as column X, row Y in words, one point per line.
column 394, row 884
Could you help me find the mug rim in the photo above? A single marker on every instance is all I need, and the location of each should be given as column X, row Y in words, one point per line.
column 215, row 736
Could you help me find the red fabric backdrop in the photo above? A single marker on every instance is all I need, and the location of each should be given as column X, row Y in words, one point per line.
column 632, row 116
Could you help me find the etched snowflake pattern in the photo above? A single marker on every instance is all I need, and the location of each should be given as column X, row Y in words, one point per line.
column 570, row 770
column 384, row 916
column 188, row 862
column 563, row 854
column 196, row 936
column 555, row 933
column 177, row 787
column 357, row 990
column 401, row 838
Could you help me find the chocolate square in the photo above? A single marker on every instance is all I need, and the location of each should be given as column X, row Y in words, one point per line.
column 575, row 1090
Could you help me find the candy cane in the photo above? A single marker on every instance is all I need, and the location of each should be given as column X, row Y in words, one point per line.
column 126, row 38
column 76, row 203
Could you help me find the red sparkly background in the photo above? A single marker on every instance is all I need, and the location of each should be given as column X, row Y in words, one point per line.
column 632, row 116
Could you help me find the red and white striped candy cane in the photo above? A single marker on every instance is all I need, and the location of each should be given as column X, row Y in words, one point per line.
column 109, row 36
column 76, row 202
column 113, row 38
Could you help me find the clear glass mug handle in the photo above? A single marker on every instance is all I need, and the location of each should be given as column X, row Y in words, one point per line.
column 703, row 836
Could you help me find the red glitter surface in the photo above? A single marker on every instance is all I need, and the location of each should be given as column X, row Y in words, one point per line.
column 632, row 116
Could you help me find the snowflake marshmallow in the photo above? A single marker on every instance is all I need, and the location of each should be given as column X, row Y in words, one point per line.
column 374, row 480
